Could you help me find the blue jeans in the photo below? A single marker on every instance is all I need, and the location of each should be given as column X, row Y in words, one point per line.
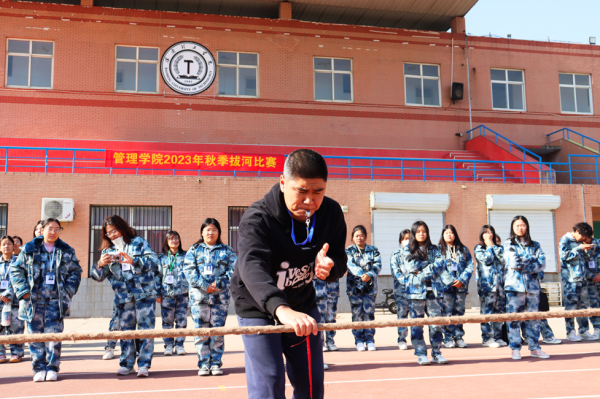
column 265, row 374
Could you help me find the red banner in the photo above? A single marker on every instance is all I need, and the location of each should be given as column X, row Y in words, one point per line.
column 193, row 160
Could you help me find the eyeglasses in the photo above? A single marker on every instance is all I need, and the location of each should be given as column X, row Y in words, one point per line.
column 112, row 233
column 57, row 230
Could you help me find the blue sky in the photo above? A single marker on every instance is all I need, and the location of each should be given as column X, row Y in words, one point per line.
column 568, row 21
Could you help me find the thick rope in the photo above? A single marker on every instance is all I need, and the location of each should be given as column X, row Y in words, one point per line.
column 203, row 332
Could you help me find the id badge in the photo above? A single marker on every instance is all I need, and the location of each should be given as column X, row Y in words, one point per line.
column 125, row 266
column 592, row 264
column 429, row 288
column 454, row 267
column 170, row 279
column 4, row 284
column 209, row 269
column 50, row 279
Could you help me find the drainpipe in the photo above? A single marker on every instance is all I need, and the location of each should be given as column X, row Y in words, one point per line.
column 469, row 83
column 583, row 202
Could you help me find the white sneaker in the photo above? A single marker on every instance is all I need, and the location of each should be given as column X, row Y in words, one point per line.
column 587, row 336
column 180, row 350
column 325, row 348
column 449, row 344
column 125, row 371
column 51, row 375
column 501, row 342
column 573, row 337
column 439, row 359
column 143, row 372
column 325, row 366
column 332, row 347
column 460, row 343
column 216, row 370
column 168, row 350
column 540, row 353
column 204, row 371
column 371, row 346
column 109, row 354
column 360, row 347
column 402, row 346
column 423, row 361
column 553, row 341
column 39, row 376
column 515, row 354
column 491, row 344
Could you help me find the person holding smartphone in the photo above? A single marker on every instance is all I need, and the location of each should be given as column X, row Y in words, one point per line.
column 129, row 264
column 8, row 301
column 396, row 261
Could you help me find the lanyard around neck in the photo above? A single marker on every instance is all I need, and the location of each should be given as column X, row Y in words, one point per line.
column 172, row 260
column 309, row 231
column 7, row 263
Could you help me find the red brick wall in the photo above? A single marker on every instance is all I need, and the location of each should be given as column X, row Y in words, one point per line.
column 83, row 105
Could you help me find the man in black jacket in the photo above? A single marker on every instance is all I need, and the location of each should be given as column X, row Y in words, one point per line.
column 286, row 238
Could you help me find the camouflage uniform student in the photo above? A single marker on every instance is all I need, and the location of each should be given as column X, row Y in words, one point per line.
column 545, row 330
column 45, row 277
column 490, row 284
column 113, row 325
column 364, row 264
column 458, row 269
column 524, row 260
column 396, row 261
column 208, row 268
column 327, row 294
column 130, row 265
column 573, row 271
column 593, row 283
column 10, row 301
column 423, row 265
column 173, row 290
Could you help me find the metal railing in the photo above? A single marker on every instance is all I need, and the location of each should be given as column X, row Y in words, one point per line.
column 500, row 139
column 567, row 133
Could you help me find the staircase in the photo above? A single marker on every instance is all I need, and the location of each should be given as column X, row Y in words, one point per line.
column 483, row 172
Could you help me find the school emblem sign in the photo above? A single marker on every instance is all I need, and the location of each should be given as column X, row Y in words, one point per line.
column 188, row 68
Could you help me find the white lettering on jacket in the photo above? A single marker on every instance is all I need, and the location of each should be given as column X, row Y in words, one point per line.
column 295, row 277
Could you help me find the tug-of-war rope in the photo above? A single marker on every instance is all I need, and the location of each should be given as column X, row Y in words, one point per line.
column 173, row 333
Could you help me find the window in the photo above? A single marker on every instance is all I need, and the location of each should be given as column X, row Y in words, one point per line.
column 29, row 64
column 150, row 222
column 3, row 219
column 422, row 84
column 508, row 89
column 238, row 74
column 333, row 79
column 235, row 216
column 136, row 69
column 575, row 93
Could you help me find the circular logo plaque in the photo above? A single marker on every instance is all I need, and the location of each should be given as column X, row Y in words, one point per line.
column 188, row 68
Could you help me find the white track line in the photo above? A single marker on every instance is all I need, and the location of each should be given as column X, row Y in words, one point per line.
column 326, row 383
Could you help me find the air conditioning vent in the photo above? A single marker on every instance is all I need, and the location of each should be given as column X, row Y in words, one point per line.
column 58, row 208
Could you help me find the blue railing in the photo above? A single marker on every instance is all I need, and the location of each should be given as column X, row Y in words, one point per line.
column 482, row 129
column 567, row 133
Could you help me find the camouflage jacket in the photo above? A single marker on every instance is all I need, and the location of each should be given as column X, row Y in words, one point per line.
column 5, row 276
column 461, row 272
column 423, row 275
column 523, row 263
column 490, row 268
column 365, row 261
column 204, row 266
column 171, row 265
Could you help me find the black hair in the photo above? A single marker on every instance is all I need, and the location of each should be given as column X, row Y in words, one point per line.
column 584, row 229
column 121, row 225
column 360, row 228
column 513, row 237
column 457, row 243
column 305, row 164
column 402, row 234
column 50, row 220
column 413, row 244
column 39, row 223
column 9, row 238
column 18, row 238
column 209, row 221
column 484, row 229
column 165, row 248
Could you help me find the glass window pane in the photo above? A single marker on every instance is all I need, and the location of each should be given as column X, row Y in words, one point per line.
column 413, row 91
column 323, row 63
column 127, row 53
column 41, row 72
column 227, row 58
column 565, row 79
column 342, row 87
column 431, row 95
column 498, row 74
column 18, row 46
column 515, row 96
column 431, row 70
column 583, row 100
column 147, row 77
column 249, row 59
column 126, row 76
column 227, row 81
column 247, row 81
column 499, row 95
column 342, row 65
column 515, row 76
column 323, row 90
column 412, row 69
column 17, row 71
column 567, row 99
column 148, row 54
column 582, row 80
column 45, row 48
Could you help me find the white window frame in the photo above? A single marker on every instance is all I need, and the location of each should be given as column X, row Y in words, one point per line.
column 576, row 86
column 137, row 62
column 30, row 55
column 506, row 82
column 333, row 72
column 438, row 78
column 237, row 77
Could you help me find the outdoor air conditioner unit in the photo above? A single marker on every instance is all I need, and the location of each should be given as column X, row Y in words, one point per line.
column 58, row 208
